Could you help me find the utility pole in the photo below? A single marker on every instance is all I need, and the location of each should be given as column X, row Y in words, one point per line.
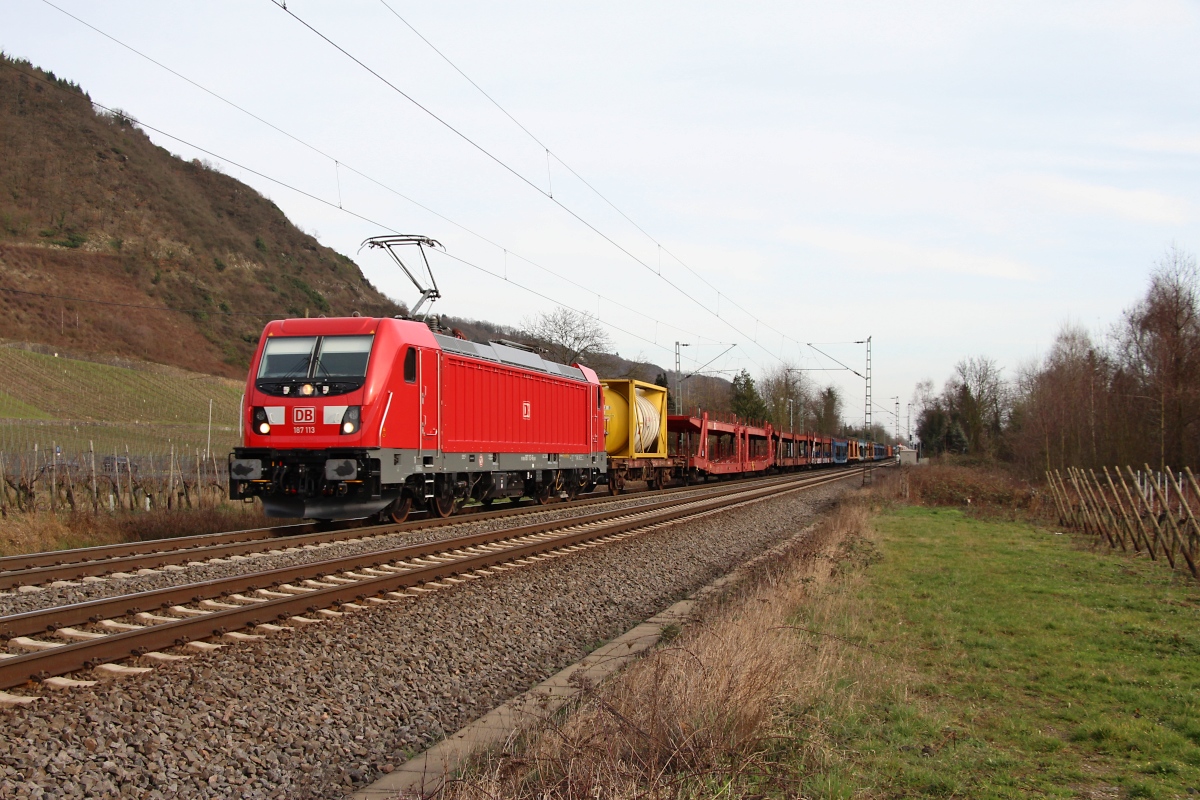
column 897, row 399
column 867, row 410
column 908, row 427
column 679, row 378
column 791, row 419
column 678, row 383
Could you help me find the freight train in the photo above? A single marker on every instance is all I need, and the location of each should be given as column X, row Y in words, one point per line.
column 355, row 417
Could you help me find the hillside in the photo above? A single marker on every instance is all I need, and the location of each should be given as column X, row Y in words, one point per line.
column 90, row 208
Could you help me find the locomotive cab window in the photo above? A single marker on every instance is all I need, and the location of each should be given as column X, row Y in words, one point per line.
column 410, row 365
column 287, row 357
column 322, row 358
column 342, row 357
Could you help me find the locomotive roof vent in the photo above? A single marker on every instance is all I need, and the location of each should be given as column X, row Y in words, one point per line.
column 429, row 292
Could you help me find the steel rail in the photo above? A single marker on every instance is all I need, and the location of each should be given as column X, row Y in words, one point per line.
column 79, row 655
column 43, row 569
column 48, row 619
column 13, row 564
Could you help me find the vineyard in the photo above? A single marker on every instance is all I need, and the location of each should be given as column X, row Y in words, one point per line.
column 77, row 433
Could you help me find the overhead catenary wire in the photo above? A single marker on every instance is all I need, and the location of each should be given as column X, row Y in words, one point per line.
column 323, row 201
column 573, row 171
column 338, row 165
column 283, row 6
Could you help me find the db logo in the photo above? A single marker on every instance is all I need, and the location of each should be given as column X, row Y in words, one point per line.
column 304, row 416
column 525, row 409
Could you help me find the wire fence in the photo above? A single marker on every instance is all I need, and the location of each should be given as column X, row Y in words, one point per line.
column 1152, row 512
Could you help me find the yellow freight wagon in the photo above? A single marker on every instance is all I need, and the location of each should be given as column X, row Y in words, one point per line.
column 635, row 433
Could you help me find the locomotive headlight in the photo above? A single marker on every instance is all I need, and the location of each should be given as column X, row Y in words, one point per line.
column 261, row 423
column 307, row 390
column 352, row 419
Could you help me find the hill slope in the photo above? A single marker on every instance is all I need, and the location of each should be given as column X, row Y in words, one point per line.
column 90, row 208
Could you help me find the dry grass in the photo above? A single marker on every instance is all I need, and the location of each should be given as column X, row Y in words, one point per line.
column 704, row 715
column 40, row 532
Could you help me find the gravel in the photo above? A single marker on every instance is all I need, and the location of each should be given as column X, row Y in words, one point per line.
column 19, row 601
column 319, row 712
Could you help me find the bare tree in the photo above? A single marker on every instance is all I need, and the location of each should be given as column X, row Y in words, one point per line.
column 1131, row 398
column 789, row 397
column 827, row 411
column 978, row 395
column 923, row 395
column 568, row 336
column 1159, row 349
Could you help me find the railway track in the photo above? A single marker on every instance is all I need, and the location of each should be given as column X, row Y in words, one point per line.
column 54, row 642
column 120, row 560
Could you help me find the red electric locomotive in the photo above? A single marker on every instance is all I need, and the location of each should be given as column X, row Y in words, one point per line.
column 354, row 417
column 345, row 418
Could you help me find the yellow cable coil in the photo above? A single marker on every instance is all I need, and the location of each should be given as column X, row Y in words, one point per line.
column 647, row 424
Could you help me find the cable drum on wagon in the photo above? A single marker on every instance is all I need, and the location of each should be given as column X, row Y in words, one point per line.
column 635, row 433
column 634, row 417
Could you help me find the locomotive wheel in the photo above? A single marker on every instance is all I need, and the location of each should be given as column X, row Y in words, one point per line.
column 442, row 505
column 542, row 494
column 616, row 483
column 399, row 509
column 487, row 501
column 656, row 481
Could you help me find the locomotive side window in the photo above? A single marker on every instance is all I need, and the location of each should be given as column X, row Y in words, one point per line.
column 410, row 365
column 287, row 357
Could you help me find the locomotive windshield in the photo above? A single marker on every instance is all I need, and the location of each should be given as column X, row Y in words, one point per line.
column 342, row 357
column 287, row 357
column 315, row 357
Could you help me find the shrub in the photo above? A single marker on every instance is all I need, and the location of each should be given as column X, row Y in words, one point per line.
column 944, row 485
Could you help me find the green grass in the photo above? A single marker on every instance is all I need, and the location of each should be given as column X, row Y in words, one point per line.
column 63, row 388
column 12, row 408
column 1027, row 667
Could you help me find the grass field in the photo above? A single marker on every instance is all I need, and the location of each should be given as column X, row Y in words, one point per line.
column 1021, row 665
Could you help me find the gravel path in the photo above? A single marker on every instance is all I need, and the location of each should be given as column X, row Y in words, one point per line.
column 318, row 712
column 16, row 602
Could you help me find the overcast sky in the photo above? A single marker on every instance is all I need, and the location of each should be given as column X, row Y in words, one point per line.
column 951, row 179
